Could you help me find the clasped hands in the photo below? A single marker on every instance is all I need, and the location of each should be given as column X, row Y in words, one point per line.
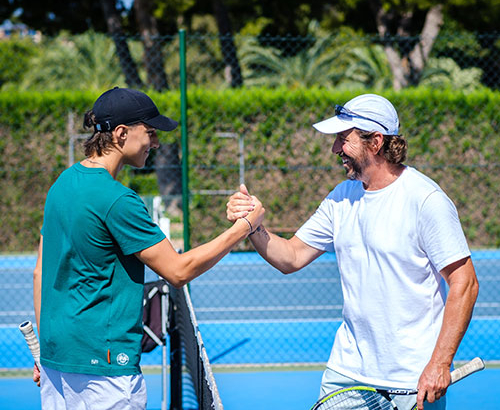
column 243, row 205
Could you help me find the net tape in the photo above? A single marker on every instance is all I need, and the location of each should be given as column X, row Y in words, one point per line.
column 194, row 355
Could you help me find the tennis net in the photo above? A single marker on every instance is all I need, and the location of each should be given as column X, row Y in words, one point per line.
column 192, row 383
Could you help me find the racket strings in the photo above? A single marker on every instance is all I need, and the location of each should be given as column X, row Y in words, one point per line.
column 356, row 400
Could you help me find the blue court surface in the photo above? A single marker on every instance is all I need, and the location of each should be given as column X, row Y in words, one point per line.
column 248, row 313
column 270, row 390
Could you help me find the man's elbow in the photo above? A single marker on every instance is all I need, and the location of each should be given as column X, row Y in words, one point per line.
column 474, row 288
column 469, row 290
column 178, row 282
column 286, row 270
column 179, row 276
column 473, row 285
column 288, row 266
column 37, row 273
column 175, row 279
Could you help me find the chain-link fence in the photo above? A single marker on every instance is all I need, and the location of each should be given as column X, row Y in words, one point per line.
column 251, row 103
column 253, row 313
column 343, row 60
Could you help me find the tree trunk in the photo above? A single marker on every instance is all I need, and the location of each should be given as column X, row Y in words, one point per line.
column 167, row 162
column 169, row 173
column 399, row 72
column 383, row 19
column 153, row 56
column 232, row 71
column 127, row 64
column 420, row 53
column 407, row 66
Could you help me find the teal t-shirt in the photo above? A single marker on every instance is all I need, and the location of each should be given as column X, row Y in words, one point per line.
column 92, row 284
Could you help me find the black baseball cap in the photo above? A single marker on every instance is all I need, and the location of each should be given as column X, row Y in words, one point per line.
column 126, row 106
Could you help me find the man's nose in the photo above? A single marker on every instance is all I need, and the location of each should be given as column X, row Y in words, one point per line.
column 155, row 142
column 337, row 146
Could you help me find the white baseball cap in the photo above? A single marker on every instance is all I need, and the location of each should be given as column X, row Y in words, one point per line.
column 367, row 112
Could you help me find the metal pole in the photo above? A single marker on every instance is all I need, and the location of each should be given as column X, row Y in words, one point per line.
column 72, row 138
column 242, row 158
column 71, row 145
column 184, row 139
column 175, row 355
column 71, row 149
column 164, row 315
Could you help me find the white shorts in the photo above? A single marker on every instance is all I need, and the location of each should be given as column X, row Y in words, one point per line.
column 332, row 381
column 73, row 391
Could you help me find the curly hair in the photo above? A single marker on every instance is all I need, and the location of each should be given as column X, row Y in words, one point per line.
column 394, row 149
column 100, row 141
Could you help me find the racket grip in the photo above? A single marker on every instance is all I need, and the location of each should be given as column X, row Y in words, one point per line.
column 26, row 329
column 467, row 369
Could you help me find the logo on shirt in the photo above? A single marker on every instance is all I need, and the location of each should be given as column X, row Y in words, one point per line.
column 122, row 359
column 94, row 361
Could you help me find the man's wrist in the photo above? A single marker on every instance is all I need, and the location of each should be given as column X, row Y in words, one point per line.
column 250, row 227
column 258, row 229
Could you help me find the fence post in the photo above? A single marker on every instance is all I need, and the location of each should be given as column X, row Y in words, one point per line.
column 184, row 139
column 175, row 353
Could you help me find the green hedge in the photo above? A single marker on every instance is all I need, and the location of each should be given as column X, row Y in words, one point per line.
column 34, row 151
column 453, row 138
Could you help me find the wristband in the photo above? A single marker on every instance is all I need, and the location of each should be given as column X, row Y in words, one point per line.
column 249, row 225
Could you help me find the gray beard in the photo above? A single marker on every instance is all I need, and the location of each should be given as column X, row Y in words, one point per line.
column 355, row 169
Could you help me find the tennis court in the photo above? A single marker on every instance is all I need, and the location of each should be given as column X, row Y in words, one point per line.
column 251, row 315
column 268, row 390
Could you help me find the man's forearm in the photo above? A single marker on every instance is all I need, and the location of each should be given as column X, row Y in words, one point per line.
column 458, row 310
column 462, row 295
column 286, row 255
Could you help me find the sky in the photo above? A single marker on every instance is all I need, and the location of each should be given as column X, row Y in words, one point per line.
column 127, row 3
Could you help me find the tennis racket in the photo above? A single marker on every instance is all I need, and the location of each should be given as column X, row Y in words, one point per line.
column 370, row 398
column 26, row 329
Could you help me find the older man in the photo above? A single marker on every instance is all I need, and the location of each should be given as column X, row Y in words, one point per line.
column 396, row 236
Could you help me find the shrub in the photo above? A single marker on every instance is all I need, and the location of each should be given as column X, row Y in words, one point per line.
column 289, row 166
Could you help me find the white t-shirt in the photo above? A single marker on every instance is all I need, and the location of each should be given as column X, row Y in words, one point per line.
column 390, row 246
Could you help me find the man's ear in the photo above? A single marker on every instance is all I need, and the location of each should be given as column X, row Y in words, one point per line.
column 121, row 134
column 377, row 142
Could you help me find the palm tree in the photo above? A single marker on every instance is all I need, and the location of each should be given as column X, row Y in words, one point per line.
column 446, row 73
column 369, row 68
column 321, row 64
column 115, row 29
column 86, row 61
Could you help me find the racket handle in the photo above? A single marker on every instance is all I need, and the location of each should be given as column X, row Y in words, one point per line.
column 467, row 369
column 26, row 329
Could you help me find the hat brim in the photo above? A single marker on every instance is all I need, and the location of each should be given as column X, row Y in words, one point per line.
column 162, row 123
column 334, row 125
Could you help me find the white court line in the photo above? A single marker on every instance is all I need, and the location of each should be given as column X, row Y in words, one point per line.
column 265, row 308
column 16, row 286
column 284, row 281
column 277, row 321
column 17, row 313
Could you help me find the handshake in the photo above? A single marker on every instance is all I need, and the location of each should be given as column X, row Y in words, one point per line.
column 243, row 205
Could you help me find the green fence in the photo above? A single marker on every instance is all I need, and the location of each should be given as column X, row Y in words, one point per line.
column 247, row 105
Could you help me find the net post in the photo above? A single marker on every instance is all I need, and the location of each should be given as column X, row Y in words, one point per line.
column 165, row 296
column 175, row 356
column 184, row 139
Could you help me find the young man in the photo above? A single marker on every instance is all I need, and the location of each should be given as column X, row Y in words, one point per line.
column 88, row 280
column 396, row 236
